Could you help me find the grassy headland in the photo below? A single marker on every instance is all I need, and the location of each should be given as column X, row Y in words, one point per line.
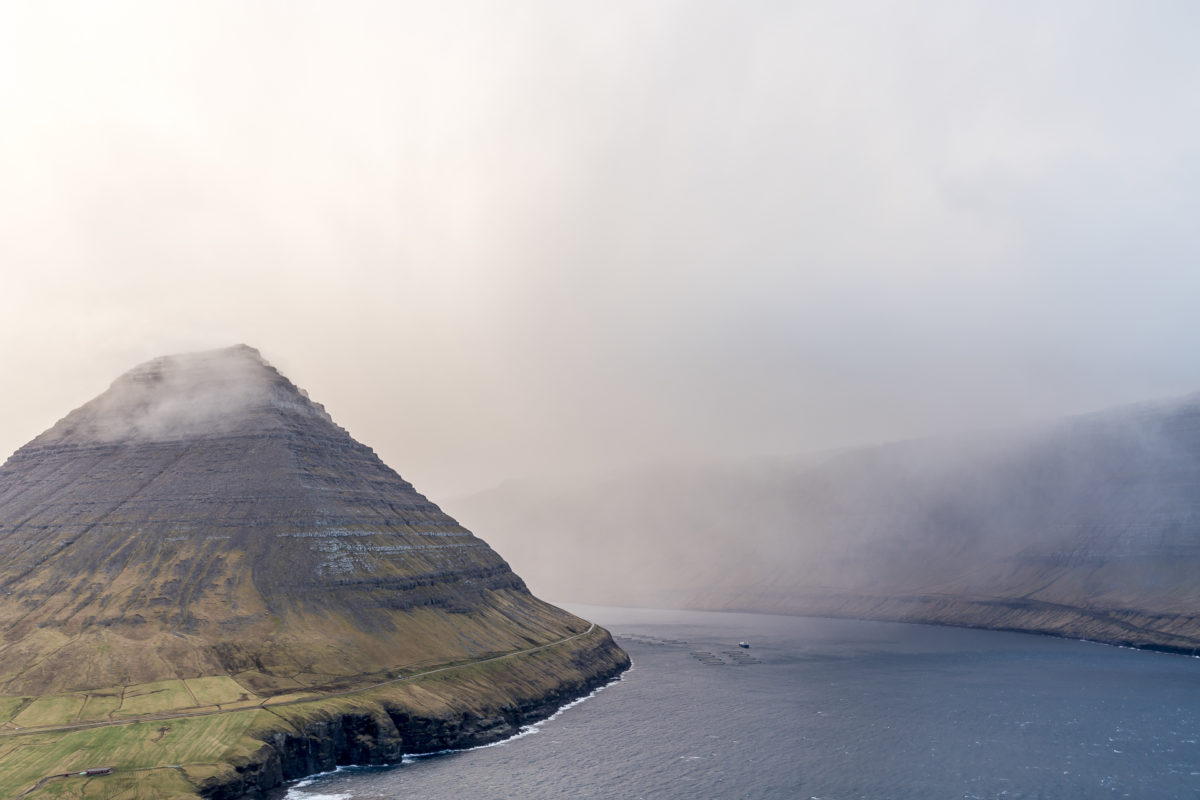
column 176, row 739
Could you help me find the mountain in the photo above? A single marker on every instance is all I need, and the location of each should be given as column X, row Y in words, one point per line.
column 1088, row 527
column 204, row 520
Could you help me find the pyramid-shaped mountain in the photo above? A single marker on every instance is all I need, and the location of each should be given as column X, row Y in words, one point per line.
column 204, row 517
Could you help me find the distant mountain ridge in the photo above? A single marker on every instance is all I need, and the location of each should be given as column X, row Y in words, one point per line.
column 1088, row 527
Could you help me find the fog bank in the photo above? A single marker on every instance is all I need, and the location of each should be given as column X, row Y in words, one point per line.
column 531, row 239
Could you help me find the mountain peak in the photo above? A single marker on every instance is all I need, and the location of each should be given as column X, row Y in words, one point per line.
column 204, row 517
column 203, row 541
column 205, row 394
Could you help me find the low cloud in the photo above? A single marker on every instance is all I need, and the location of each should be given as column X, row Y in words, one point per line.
column 534, row 239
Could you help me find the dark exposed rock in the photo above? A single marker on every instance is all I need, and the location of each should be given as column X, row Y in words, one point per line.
column 387, row 731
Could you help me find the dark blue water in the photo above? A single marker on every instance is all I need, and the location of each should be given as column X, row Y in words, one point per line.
column 835, row 710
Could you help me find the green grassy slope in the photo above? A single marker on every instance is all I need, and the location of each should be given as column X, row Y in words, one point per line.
column 160, row 756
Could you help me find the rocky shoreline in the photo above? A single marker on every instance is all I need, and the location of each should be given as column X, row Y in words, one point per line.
column 383, row 732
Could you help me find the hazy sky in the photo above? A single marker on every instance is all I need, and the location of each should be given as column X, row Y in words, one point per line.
column 499, row 239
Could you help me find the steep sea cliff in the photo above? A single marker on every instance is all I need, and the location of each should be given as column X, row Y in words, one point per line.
column 382, row 728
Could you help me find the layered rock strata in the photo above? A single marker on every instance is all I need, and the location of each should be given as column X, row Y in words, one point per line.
column 203, row 517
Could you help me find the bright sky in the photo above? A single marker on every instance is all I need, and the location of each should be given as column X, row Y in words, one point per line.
column 502, row 239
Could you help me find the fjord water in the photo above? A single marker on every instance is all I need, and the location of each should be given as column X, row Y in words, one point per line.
column 836, row 709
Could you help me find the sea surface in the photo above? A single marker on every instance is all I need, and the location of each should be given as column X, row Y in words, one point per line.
column 832, row 710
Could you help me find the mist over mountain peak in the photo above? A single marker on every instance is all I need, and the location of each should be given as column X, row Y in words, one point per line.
column 202, row 508
column 188, row 395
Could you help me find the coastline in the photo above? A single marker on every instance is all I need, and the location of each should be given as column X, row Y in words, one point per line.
column 875, row 684
column 486, row 705
column 525, row 730
column 1135, row 629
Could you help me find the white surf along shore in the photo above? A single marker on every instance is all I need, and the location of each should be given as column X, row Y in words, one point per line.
column 295, row 793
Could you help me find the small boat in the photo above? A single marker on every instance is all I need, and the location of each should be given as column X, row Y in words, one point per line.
column 744, row 644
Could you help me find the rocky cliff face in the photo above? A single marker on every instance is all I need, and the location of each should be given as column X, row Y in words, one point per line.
column 1089, row 527
column 380, row 728
column 204, row 517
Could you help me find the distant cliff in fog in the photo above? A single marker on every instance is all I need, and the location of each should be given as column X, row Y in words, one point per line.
column 1089, row 527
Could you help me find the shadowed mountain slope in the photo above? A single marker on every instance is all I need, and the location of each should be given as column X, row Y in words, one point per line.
column 204, row 517
column 1089, row 527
